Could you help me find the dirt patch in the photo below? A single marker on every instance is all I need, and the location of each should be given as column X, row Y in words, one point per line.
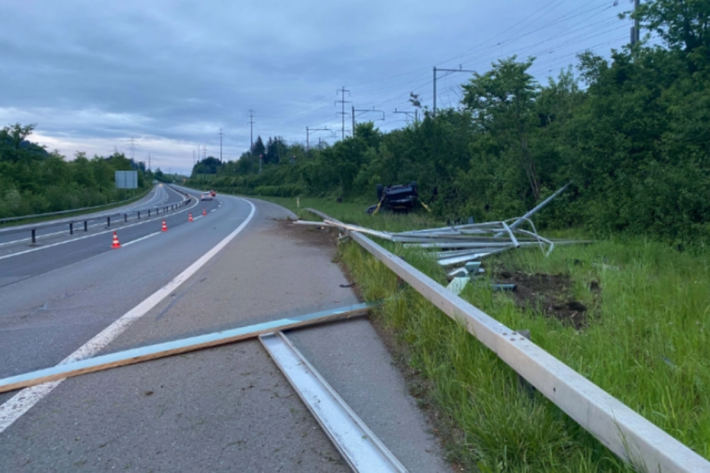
column 310, row 235
column 549, row 294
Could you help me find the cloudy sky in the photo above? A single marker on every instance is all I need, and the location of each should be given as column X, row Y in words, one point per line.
column 171, row 73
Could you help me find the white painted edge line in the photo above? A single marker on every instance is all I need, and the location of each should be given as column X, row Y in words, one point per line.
column 358, row 445
column 141, row 238
column 142, row 222
column 23, row 401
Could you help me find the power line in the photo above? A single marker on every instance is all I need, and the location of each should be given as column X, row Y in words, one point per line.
column 220, row 145
column 251, row 128
column 342, row 101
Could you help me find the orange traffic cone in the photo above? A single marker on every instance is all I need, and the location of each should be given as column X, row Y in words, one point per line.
column 204, row 212
column 165, row 227
column 116, row 244
column 190, row 219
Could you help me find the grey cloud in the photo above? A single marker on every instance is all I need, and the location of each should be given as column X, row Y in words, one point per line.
column 181, row 70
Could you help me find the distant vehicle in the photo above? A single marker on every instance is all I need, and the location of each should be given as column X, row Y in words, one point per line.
column 206, row 196
column 214, row 194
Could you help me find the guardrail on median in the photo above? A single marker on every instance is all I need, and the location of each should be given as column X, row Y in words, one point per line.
column 625, row 432
column 62, row 212
column 32, row 228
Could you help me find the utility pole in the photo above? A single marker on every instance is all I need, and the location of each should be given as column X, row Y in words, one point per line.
column 308, row 137
column 251, row 128
column 409, row 114
column 367, row 111
column 342, row 101
column 133, row 148
column 636, row 29
column 148, row 161
column 220, row 146
column 446, row 70
column 204, row 152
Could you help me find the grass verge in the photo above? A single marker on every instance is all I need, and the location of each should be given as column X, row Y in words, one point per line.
column 645, row 341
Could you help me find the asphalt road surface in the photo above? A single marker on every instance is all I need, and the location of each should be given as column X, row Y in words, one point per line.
column 221, row 409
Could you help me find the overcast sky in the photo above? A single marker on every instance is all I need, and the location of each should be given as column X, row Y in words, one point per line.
column 169, row 73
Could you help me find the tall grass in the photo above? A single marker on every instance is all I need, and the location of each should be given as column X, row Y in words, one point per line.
column 646, row 344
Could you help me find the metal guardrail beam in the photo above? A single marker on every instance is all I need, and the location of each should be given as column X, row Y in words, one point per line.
column 358, row 445
column 39, row 225
column 629, row 435
column 62, row 212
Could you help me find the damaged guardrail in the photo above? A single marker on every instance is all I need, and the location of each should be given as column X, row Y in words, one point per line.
column 625, row 432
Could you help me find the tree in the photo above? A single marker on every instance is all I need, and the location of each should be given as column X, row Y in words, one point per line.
column 681, row 23
column 258, row 149
column 502, row 102
column 13, row 144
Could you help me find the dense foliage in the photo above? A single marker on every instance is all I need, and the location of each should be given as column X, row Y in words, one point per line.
column 33, row 180
column 631, row 132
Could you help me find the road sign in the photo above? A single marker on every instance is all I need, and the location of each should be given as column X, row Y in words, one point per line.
column 126, row 179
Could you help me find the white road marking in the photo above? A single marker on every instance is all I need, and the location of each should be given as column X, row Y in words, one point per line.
column 213, row 210
column 23, row 401
column 141, row 238
column 92, row 235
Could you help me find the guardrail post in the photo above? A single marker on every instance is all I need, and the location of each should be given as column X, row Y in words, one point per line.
column 86, row 226
column 34, row 237
column 71, row 228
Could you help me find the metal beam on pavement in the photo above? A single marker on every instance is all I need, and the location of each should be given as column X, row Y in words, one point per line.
column 358, row 445
column 161, row 350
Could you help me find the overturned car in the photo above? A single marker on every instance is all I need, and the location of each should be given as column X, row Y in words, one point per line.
column 399, row 198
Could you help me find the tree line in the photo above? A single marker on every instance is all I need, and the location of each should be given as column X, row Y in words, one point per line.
column 632, row 133
column 33, row 180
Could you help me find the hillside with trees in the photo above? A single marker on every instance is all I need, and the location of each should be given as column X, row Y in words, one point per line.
column 33, row 180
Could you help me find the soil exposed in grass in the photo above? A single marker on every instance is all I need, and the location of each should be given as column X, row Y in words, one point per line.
column 548, row 294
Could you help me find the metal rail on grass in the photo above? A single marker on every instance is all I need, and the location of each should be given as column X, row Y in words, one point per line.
column 625, row 432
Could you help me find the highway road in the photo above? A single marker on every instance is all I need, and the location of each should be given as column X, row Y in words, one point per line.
column 221, row 409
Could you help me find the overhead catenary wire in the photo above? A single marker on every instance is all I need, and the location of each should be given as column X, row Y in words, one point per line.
column 394, row 90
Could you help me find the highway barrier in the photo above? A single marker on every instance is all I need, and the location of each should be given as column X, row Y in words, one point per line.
column 622, row 430
column 32, row 228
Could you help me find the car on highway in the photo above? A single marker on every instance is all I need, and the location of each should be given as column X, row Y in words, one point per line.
column 214, row 194
column 206, row 196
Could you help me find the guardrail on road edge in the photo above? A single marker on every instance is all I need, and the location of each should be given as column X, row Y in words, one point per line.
column 629, row 435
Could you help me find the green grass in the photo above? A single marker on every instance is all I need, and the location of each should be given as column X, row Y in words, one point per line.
column 646, row 343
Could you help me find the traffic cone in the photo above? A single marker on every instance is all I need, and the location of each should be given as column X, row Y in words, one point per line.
column 116, row 244
column 204, row 212
column 190, row 219
column 165, row 227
